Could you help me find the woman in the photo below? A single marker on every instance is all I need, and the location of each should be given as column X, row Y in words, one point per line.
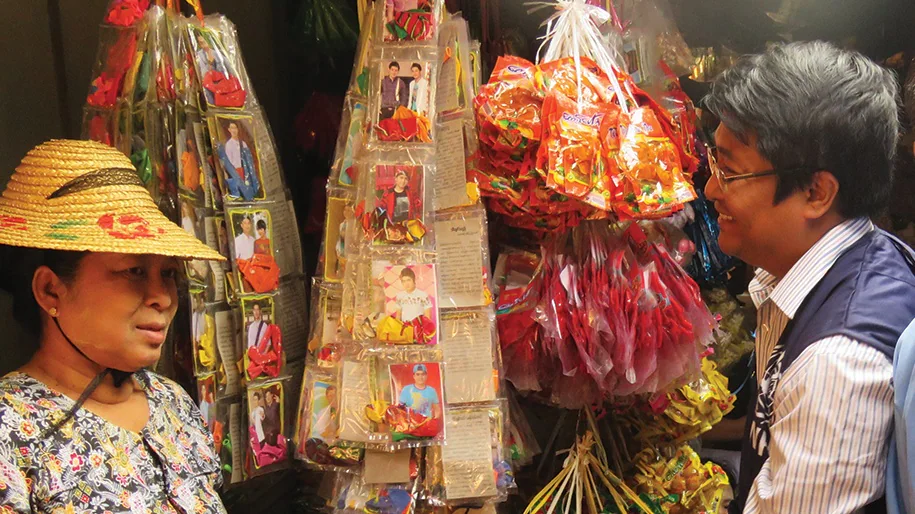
column 93, row 267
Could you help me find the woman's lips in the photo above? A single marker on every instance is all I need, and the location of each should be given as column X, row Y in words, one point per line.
column 153, row 332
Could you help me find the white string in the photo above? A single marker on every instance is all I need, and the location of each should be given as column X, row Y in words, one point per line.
column 574, row 31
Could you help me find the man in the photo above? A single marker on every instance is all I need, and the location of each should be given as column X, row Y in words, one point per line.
column 411, row 302
column 238, row 165
column 398, row 201
column 258, row 327
column 244, row 242
column 258, row 414
column 804, row 160
column 393, row 91
column 272, row 418
column 419, row 91
column 420, row 397
column 265, row 346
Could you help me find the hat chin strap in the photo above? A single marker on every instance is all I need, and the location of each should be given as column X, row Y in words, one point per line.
column 119, row 376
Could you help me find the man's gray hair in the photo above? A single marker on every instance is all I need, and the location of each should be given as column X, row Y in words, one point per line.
column 815, row 106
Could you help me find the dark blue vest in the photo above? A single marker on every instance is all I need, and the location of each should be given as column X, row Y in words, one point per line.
column 868, row 295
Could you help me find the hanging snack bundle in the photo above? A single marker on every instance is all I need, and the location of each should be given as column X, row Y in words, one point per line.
column 573, row 138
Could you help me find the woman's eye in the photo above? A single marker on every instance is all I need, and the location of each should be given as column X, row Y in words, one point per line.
column 171, row 274
column 135, row 272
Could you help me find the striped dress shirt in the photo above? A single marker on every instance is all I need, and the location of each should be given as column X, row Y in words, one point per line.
column 832, row 409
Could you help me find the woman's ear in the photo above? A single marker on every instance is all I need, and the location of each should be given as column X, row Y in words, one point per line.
column 47, row 288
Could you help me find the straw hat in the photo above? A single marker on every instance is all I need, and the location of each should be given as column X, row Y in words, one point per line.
column 86, row 196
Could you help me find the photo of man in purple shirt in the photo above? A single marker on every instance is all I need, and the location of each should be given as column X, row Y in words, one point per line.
column 394, row 92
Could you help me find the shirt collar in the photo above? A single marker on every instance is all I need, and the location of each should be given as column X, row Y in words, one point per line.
column 790, row 291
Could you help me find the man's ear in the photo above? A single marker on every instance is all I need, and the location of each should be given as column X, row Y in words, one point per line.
column 46, row 287
column 822, row 194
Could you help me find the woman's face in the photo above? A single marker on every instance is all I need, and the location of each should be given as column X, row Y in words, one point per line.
column 118, row 308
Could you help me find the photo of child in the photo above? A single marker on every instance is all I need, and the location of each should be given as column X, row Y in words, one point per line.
column 399, row 209
column 410, row 298
column 417, row 405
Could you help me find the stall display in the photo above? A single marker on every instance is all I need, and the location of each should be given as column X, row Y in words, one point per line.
column 402, row 394
column 173, row 93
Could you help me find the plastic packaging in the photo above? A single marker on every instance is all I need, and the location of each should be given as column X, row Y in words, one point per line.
column 404, row 21
column 266, row 435
column 317, row 426
column 262, row 334
column 395, row 200
column 407, row 409
column 403, row 107
column 475, row 465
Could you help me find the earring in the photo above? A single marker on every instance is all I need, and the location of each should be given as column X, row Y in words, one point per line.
column 53, row 312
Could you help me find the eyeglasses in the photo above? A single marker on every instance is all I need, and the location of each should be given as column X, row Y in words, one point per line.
column 725, row 180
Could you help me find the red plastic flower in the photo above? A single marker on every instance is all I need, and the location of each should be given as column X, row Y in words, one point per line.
column 126, row 12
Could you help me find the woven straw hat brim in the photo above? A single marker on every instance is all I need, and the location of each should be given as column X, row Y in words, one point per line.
column 114, row 218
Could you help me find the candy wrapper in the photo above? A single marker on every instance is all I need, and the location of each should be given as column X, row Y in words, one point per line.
column 684, row 413
column 679, row 485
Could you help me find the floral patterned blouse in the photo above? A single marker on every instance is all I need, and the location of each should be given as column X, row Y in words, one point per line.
column 92, row 465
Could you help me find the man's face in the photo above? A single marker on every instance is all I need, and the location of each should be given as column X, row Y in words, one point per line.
column 393, row 71
column 270, row 398
column 751, row 225
column 200, row 304
column 409, row 284
column 233, row 130
column 256, row 310
column 419, row 378
column 246, row 226
column 331, row 395
column 416, row 72
column 400, row 181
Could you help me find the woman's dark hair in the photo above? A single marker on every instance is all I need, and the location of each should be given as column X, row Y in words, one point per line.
column 19, row 265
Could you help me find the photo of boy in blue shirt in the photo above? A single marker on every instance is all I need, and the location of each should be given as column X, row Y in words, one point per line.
column 420, row 397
